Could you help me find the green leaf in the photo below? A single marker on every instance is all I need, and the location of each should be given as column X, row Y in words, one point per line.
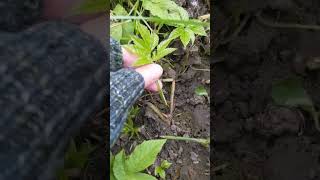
column 201, row 91
column 165, row 9
column 116, row 31
column 191, row 34
column 127, row 32
column 92, row 6
column 77, row 158
column 111, row 167
column 165, row 164
column 164, row 44
column 198, row 30
column 119, row 10
column 154, row 40
column 160, row 172
column 139, row 43
column 140, row 176
column 175, row 33
column 144, row 32
column 144, row 155
column 163, row 53
column 142, row 61
column 290, row 92
column 119, row 170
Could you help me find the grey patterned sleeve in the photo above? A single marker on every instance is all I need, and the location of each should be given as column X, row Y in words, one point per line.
column 52, row 77
column 126, row 86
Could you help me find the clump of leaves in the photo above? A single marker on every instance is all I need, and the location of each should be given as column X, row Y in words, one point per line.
column 132, row 166
column 161, row 170
column 145, row 42
column 129, row 128
column 290, row 92
column 167, row 9
column 75, row 159
column 148, row 47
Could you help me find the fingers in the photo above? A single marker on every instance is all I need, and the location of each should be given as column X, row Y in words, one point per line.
column 153, row 87
column 150, row 73
column 128, row 58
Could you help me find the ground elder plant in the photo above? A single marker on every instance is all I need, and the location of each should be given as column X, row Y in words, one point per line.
column 139, row 29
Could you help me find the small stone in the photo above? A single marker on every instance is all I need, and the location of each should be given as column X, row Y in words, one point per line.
column 173, row 127
column 194, row 156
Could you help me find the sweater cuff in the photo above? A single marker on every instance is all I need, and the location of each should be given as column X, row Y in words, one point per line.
column 125, row 88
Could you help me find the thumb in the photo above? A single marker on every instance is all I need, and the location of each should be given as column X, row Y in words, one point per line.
column 150, row 73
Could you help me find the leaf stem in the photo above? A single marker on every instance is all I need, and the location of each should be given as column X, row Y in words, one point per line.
column 204, row 142
column 163, row 98
column 159, row 20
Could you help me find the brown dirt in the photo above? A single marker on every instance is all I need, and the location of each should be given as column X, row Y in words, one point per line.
column 256, row 139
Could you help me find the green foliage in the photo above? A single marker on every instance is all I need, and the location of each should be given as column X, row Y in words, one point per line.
column 129, row 128
column 147, row 47
column 145, row 42
column 75, row 158
column 290, row 92
column 111, row 167
column 122, row 31
column 131, row 167
column 160, row 170
column 92, row 6
column 165, row 9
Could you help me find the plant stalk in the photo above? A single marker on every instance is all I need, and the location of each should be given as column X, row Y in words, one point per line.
column 159, row 20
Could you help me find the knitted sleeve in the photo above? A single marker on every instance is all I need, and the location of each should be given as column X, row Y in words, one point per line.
column 126, row 86
column 52, row 77
column 16, row 15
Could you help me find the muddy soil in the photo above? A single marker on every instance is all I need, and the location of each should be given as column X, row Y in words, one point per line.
column 256, row 45
column 191, row 115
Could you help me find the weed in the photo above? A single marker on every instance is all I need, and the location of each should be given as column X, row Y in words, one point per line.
column 132, row 166
column 129, row 128
column 160, row 170
column 147, row 46
column 75, row 159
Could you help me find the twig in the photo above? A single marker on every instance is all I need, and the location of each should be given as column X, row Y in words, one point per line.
column 198, row 69
column 237, row 31
column 285, row 25
column 158, row 112
column 162, row 97
column 218, row 168
column 167, row 80
column 173, row 88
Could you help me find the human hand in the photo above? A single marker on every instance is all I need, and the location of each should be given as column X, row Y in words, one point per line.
column 151, row 73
